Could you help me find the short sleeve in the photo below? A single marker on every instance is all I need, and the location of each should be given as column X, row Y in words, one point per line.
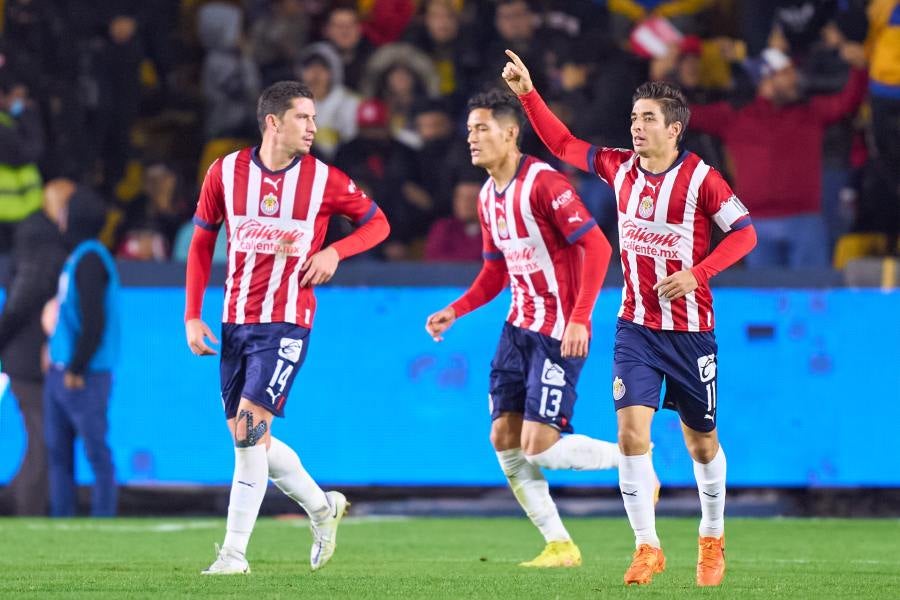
column 558, row 201
column 210, row 211
column 347, row 199
column 489, row 250
column 605, row 162
column 719, row 202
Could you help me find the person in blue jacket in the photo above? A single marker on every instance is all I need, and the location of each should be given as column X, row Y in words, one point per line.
column 83, row 348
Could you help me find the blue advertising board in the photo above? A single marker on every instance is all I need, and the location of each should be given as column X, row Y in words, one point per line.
column 806, row 380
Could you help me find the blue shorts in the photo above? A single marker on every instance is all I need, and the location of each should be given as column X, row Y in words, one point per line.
column 259, row 363
column 643, row 357
column 530, row 377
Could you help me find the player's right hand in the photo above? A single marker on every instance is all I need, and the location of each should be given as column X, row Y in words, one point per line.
column 516, row 75
column 197, row 331
column 440, row 322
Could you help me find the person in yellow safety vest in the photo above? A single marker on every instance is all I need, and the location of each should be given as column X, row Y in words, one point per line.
column 21, row 145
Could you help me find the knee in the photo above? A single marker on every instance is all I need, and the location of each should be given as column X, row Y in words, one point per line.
column 702, row 448
column 251, row 427
column 633, row 442
column 503, row 437
column 704, row 453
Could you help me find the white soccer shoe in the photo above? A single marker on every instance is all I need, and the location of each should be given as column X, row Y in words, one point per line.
column 325, row 532
column 228, row 562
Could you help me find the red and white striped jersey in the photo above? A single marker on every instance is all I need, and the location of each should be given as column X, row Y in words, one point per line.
column 274, row 220
column 665, row 222
column 533, row 224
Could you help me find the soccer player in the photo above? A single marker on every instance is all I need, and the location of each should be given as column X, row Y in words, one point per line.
column 668, row 201
column 275, row 200
column 537, row 235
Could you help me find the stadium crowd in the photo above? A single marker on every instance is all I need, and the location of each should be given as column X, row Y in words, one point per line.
column 797, row 102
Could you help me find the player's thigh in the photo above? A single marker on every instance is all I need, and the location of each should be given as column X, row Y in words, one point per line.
column 692, row 379
column 637, row 374
column 231, row 368
column 273, row 359
column 506, row 391
column 537, row 437
column 551, row 384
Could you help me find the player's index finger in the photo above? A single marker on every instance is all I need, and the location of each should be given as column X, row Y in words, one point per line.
column 515, row 58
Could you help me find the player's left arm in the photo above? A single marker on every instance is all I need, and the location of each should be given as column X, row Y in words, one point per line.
column 716, row 200
column 560, row 203
column 372, row 228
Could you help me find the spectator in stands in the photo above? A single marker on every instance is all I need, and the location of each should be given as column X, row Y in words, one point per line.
column 400, row 75
column 343, row 30
column 776, row 146
column 449, row 46
column 883, row 44
column 434, row 126
column 230, row 77
column 276, row 39
column 116, row 64
column 457, row 238
column 153, row 218
column 382, row 166
column 825, row 71
column 320, row 68
column 386, row 20
column 84, row 338
column 516, row 28
column 21, row 146
column 38, row 255
column 685, row 15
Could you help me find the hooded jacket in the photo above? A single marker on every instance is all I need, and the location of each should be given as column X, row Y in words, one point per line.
column 336, row 112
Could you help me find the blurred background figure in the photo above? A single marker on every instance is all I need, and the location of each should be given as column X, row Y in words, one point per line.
column 230, row 78
column 21, row 147
column 343, row 30
column 154, row 217
column 83, row 347
column 775, row 143
column 277, row 38
column 38, row 254
column 457, row 238
column 320, row 68
column 883, row 45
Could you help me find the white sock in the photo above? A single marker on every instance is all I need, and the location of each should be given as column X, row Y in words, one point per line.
column 533, row 493
column 711, row 487
column 287, row 472
column 637, row 482
column 248, row 487
column 578, row 452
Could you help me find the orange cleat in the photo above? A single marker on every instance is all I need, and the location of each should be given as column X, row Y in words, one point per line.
column 646, row 562
column 711, row 561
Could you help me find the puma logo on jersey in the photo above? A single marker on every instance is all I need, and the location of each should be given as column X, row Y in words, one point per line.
column 576, row 218
column 273, row 182
column 653, row 186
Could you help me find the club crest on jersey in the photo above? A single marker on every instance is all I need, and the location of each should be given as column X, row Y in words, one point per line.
column 269, row 204
column 645, row 209
column 618, row 388
column 502, row 228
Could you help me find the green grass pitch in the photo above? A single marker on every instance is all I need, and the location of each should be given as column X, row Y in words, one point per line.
column 440, row 558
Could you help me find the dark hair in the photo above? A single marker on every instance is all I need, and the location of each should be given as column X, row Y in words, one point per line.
column 671, row 100
column 276, row 100
column 501, row 104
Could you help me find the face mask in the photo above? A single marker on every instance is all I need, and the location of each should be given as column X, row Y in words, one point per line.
column 16, row 108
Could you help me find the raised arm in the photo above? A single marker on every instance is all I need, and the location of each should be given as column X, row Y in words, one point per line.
column 555, row 135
